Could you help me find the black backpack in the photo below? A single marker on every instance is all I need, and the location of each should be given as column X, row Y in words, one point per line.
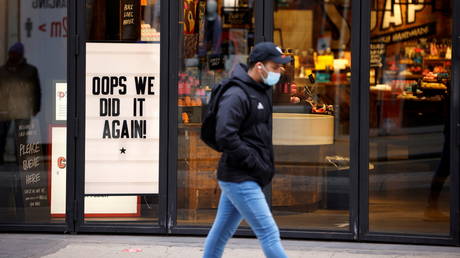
column 208, row 128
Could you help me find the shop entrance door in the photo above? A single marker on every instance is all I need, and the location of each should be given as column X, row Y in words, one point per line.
column 365, row 119
column 311, row 194
column 315, row 118
column 409, row 86
column 213, row 38
column 122, row 97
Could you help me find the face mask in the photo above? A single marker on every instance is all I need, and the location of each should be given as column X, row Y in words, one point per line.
column 272, row 77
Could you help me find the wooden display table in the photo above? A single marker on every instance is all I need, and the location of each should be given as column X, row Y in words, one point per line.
column 298, row 183
column 197, row 188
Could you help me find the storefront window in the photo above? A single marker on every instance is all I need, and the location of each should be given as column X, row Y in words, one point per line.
column 410, row 80
column 216, row 36
column 33, row 110
column 122, row 111
column 123, row 20
column 311, row 117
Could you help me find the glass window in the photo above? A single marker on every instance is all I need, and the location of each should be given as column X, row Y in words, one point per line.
column 124, row 20
column 410, row 80
column 216, row 36
column 122, row 112
column 311, row 117
column 33, row 109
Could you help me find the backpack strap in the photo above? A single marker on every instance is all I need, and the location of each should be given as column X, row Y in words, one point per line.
column 225, row 85
column 208, row 129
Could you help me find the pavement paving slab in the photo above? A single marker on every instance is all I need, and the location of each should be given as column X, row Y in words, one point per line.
column 110, row 246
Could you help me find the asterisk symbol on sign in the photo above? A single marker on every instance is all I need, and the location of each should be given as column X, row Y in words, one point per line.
column 123, row 150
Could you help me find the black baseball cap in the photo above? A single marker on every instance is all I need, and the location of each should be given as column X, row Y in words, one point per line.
column 267, row 51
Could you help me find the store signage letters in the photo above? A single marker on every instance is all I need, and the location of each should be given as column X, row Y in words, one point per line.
column 237, row 16
column 403, row 35
column 61, row 162
column 392, row 15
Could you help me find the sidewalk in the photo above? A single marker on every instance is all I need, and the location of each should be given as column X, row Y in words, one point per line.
column 109, row 246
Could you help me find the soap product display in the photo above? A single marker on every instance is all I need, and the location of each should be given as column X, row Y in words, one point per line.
column 420, row 70
column 311, row 77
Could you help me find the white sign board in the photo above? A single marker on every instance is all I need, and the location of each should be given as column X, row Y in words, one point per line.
column 94, row 205
column 122, row 118
column 112, row 206
column 61, row 102
column 58, row 169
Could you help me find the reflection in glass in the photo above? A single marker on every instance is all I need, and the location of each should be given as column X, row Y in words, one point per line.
column 217, row 35
column 311, row 115
column 32, row 89
column 410, row 75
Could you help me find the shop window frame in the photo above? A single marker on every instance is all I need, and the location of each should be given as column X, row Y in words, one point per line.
column 77, row 206
column 364, row 234
column 68, row 225
column 359, row 136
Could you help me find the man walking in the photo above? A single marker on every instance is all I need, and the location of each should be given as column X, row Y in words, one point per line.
column 244, row 134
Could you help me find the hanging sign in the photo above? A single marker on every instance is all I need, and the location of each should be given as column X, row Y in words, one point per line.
column 130, row 19
column 122, row 118
column 377, row 54
column 60, row 101
column 237, row 17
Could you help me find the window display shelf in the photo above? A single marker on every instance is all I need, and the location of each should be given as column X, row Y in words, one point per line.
column 404, row 77
column 304, row 81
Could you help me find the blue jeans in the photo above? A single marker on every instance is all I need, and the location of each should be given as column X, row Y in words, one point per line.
column 237, row 201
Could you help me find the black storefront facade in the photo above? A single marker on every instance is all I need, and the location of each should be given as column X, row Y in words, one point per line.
column 369, row 154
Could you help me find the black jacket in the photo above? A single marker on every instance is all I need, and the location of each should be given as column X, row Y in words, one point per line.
column 20, row 93
column 247, row 150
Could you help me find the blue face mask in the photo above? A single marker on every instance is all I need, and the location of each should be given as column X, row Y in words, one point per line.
column 272, row 78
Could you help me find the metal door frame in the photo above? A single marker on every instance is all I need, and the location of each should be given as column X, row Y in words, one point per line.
column 364, row 234
column 79, row 131
column 176, row 30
